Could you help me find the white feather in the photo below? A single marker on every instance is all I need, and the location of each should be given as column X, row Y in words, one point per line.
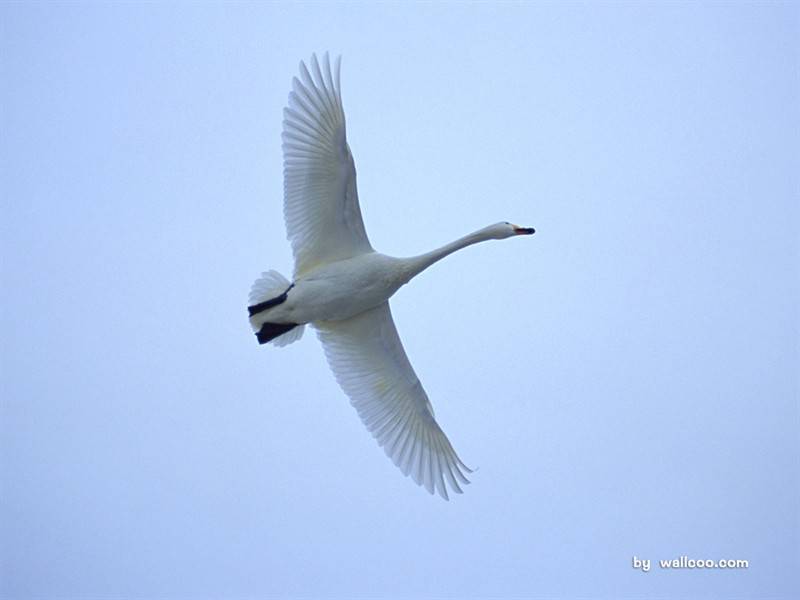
column 320, row 206
column 270, row 285
column 369, row 362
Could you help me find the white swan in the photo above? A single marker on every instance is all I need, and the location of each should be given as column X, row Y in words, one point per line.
column 342, row 286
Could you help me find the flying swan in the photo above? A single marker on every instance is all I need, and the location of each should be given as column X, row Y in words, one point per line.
column 342, row 286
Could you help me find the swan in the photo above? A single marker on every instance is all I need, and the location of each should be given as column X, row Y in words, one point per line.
column 341, row 285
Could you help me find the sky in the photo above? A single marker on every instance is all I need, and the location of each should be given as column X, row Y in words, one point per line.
column 625, row 381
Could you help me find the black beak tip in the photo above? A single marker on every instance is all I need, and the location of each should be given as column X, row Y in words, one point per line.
column 526, row 230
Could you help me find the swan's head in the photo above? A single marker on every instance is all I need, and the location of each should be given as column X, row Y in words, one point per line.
column 504, row 229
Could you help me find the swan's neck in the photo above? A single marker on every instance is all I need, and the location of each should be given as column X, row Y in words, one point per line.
column 416, row 264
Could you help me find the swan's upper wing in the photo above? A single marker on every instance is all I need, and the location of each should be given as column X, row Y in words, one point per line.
column 320, row 205
column 368, row 360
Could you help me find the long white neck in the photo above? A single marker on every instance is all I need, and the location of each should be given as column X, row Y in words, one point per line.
column 416, row 264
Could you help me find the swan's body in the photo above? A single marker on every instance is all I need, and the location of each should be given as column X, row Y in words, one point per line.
column 342, row 286
column 338, row 290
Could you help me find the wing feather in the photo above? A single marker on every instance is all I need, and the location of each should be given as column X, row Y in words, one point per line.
column 370, row 364
column 320, row 205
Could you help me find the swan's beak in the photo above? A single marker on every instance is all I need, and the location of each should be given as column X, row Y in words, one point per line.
column 524, row 230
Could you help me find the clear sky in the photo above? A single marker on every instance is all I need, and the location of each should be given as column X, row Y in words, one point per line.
column 626, row 380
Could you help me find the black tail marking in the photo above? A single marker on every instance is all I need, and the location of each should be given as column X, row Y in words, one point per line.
column 269, row 331
column 261, row 306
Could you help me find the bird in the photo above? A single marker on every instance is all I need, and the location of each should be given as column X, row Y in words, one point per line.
column 341, row 286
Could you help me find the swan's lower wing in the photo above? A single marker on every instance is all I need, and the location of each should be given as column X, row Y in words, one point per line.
column 368, row 360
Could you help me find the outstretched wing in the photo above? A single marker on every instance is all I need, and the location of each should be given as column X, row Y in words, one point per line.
column 368, row 360
column 320, row 204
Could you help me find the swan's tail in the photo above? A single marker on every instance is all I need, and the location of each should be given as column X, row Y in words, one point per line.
column 271, row 289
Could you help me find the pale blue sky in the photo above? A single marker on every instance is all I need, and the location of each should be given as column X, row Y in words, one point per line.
column 626, row 380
